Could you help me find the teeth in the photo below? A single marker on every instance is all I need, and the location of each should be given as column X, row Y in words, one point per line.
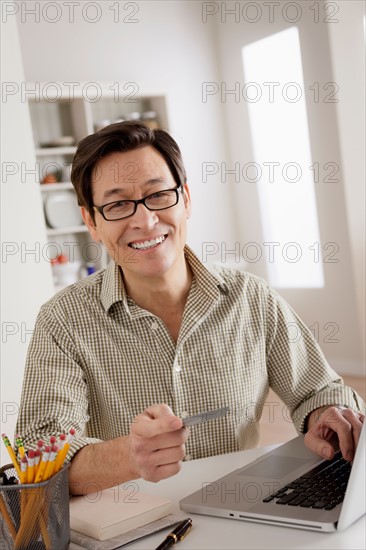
column 148, row 244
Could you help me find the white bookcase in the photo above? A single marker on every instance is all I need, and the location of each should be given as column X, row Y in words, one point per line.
column 60, row 113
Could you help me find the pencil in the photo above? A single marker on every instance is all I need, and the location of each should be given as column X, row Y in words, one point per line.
column 38, row 454
column 58, row 463
column 51, row 463
column 9, row 522
column 23, row 470
column 33, row 506
column 11, row 454
column 20, row 446
column 65, row 448
column 43, row 464
column 30, row 470
column 37, row 458
column 23, row 480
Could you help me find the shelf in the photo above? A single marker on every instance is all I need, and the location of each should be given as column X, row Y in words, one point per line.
column 65, row 230
column 54, row 151
column 76, row 116
column 62, row 186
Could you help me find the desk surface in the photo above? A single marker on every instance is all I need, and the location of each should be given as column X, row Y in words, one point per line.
column 218, row 533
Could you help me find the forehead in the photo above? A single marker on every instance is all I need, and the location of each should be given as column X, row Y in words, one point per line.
column 134, row 166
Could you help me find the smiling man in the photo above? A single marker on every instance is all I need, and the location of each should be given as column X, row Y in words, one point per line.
column 124, row 354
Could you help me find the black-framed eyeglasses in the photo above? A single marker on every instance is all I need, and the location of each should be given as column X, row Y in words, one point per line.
column 160, row 200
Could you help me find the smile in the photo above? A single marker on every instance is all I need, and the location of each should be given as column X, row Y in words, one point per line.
column 148, row 244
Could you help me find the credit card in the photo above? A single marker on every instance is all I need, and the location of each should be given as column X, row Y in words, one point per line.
column 205, row 416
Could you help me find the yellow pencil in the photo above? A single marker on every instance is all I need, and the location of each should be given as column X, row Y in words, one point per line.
column 65, row 448
column 39, row 451
column 23, row 480
column 23, row 470
column 11, row 454
column 30, row 470
column 20, row 446
column 51, row 463
column 58, row 462
column 37, row 458
column 43, row 464
column 4, row 512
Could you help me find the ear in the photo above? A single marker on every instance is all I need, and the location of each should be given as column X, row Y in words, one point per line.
column 90, row 224
column 187, row 200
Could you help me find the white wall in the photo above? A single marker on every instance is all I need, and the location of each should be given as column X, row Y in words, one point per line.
column 26, row 279
column 340, row 304
column 168, row 49
column 349, row 72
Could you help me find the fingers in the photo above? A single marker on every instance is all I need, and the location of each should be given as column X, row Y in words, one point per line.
column 335, row 427
column 157, row 443
column 163, row 421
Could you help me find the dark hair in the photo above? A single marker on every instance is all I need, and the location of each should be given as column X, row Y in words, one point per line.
column 121, row 136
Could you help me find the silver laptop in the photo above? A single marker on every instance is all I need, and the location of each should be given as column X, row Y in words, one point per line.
column 289, row 486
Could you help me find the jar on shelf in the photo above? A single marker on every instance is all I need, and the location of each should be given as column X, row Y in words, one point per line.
column 65, row 272
column 150, row 119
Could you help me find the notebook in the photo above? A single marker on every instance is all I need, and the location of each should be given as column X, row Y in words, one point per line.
column 277, row 489
column 115, row 511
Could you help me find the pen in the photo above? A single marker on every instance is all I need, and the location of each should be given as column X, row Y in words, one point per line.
column 179, row 533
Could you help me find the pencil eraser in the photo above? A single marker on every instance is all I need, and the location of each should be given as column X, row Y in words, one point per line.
column 31, row 453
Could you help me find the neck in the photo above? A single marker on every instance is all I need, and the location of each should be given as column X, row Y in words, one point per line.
column 166, row 292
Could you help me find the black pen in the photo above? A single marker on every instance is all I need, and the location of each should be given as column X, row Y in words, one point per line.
column 177, row 534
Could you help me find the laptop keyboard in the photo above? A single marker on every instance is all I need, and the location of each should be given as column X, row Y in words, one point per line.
column 323, row 487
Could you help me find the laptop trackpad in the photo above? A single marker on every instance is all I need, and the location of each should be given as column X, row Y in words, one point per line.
column 274, row 467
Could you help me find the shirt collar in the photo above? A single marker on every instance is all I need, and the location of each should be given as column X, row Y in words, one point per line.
column 113, row 289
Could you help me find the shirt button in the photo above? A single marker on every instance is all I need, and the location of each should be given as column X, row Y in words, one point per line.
column 183, row 414
column 154, row 325
column 188, row 457
column 177, row 368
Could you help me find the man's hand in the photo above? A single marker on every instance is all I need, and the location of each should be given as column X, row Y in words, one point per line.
column 332, row 429
column 157, row 439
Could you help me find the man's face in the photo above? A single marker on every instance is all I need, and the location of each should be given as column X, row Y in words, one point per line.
column 149, row 243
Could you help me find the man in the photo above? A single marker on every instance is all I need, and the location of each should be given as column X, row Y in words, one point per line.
column 124, row 354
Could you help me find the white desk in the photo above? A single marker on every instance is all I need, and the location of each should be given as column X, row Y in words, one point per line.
column 219, row 533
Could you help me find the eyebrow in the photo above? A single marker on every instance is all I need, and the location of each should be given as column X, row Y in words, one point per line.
column 121, row 191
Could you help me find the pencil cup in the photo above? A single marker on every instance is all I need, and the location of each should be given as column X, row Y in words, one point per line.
column 35, row 516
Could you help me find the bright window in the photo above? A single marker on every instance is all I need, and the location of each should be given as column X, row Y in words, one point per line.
column 280, row 137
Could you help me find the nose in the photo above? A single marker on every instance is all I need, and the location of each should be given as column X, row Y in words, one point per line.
column 144, row 218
